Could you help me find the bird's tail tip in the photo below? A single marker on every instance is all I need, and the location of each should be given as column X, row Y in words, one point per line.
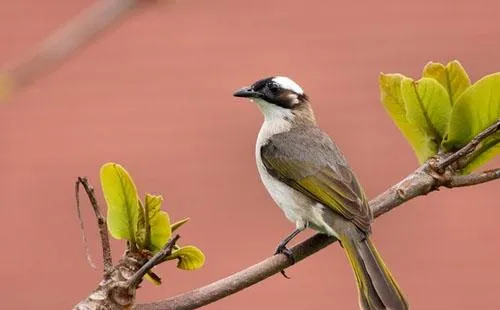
column 378, row 290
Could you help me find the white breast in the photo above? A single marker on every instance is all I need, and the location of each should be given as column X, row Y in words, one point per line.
column 277, row 121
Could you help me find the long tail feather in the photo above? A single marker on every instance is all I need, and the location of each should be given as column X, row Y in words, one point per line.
column 377, row 288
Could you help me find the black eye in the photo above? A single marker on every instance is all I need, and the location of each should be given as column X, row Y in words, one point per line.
column 273, row 87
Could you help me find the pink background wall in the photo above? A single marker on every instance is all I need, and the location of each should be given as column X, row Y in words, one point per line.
column 154, row 94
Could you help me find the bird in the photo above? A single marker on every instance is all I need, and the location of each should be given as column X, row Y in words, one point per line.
column 309, row 178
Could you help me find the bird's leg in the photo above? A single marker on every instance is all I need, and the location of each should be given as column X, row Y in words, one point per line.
column 282, row 249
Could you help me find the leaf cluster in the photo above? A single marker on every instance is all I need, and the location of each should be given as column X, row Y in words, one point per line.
column 145, row 226
column 442, row 111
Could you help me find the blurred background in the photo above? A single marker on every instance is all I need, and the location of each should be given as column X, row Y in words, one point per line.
column 154, row 94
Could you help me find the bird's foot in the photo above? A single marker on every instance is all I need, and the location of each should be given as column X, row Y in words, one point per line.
column 281, row 249
column 285, row 251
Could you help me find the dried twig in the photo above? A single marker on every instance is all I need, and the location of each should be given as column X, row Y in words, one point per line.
column 422, row 181
column 101, row 224
column 82, row 226
column 155, row 260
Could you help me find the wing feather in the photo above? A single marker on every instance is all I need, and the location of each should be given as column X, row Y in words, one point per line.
column 307, row 160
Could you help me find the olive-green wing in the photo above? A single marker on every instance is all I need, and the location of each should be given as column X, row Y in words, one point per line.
column 307, row 160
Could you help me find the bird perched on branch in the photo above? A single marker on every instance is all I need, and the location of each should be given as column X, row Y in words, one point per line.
column 309, row 179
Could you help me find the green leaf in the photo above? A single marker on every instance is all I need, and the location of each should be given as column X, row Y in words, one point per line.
column 178, row 224
column 159, row 223
column 427, row 106
column 392, row 100
column 153, row 278
column 477, row 109
column 452, row 77
column 190, row 257
column 121, row 197
column 141, row 231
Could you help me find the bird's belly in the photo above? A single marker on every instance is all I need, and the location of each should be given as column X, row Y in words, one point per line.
column 283, row 195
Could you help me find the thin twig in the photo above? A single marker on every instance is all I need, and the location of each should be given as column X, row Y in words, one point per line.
column 473, row 178
column 422, row 181
column 101, row 224
column 155, row 260
column 65, row 41
column 468, row 148
column 82, row 227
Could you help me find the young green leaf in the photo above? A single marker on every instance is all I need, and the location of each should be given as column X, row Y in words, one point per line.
column 452, row 77
column 178, row 224
column 392, row 100
column 142, row 230
column 427, row 106
column 122, row 200
column 153, row 278
column 475, row 110
column 159, row 223
column 190, row 257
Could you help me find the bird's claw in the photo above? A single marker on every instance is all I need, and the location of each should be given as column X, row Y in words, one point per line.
column 285, row 251
column 288, row 253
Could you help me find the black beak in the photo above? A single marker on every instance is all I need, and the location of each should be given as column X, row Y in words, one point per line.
column 246, row 92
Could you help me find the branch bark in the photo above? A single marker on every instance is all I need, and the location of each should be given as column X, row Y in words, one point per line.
column 473, row 178
column 429, row 177
column 118, row 288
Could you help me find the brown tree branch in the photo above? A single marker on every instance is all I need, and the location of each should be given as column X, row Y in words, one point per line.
column 101, row 222
column 63, row 42
column 427, row 178
column 240, row 280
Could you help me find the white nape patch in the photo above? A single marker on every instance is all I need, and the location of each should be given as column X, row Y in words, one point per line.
column 287, row 83
column 274, row 114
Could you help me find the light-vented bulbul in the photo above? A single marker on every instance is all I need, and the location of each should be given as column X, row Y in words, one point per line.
column 309, row 179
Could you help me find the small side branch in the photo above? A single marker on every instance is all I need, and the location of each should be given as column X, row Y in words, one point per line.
column 473, row 178
column 82, row 226
column 101, row 223
column 468, row 148
column 155, row 260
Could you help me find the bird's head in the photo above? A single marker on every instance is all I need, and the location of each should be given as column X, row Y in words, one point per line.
column 276, row 96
